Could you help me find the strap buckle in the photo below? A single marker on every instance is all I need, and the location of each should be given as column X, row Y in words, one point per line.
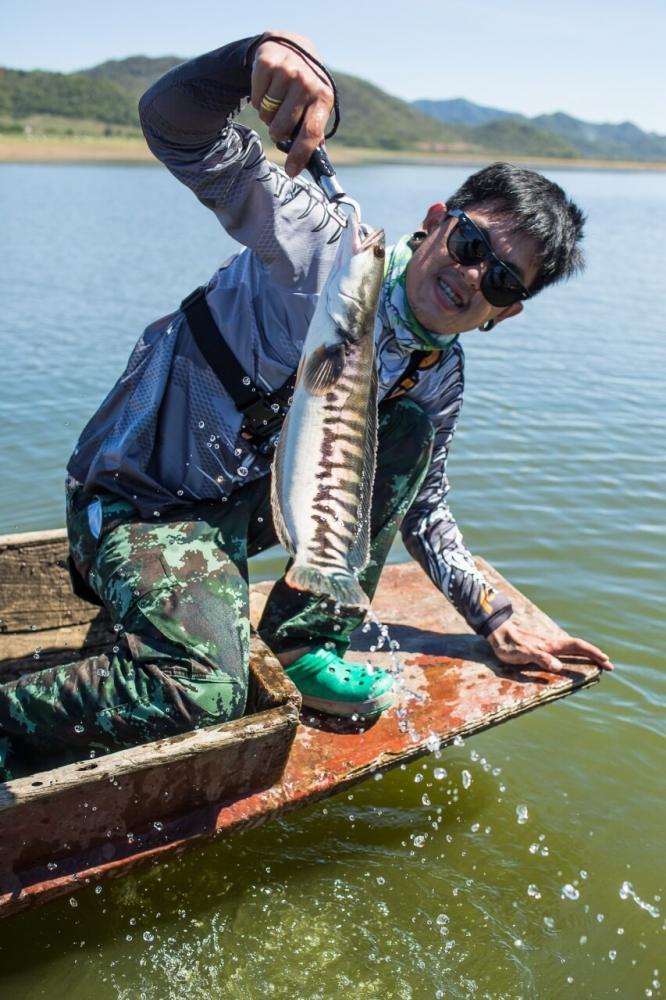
column 263, row 416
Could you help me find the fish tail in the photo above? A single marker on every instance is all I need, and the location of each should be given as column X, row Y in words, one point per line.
column 341, row 587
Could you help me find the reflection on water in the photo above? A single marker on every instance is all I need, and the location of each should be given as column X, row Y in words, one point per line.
column 527, row 863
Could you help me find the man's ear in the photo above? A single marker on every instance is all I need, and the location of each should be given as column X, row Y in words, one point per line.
column 513, row 310
column 434, row 216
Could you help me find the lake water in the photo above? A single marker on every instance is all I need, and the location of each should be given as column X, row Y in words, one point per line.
column 416, row 886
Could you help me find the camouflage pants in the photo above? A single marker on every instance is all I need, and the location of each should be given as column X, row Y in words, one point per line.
column 177, row 591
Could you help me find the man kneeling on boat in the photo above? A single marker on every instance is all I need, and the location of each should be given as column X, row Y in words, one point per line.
column 168, row 491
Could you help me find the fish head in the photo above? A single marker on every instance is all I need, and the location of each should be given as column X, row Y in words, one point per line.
column 355, row 280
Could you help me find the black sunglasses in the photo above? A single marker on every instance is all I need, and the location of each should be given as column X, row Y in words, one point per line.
column 467, row 245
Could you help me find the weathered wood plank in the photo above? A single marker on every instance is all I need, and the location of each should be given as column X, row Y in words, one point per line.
column 35, row 590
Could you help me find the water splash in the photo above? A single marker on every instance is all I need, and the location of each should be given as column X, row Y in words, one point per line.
column 627, row 891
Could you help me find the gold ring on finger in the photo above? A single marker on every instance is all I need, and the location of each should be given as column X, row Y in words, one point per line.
column 270, row 104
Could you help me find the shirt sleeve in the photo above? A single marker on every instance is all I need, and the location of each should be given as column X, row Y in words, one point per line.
column 188, row 121
column 429, row 530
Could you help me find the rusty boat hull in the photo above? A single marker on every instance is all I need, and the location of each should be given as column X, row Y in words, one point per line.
column 64, row 828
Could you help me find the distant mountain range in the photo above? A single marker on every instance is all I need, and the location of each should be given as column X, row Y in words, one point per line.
column 612, row 142
column 103, row 100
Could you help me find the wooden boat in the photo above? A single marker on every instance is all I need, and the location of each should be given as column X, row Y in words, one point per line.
column 63, row 828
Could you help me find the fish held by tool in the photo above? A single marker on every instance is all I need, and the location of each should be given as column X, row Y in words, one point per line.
column 324, row 465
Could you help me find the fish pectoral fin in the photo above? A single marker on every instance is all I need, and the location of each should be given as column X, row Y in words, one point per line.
column 323, row 369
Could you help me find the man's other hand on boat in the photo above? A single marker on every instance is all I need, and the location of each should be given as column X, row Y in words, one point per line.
column 516, row 646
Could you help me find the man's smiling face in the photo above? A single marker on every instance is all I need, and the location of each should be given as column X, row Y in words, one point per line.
column 446, row 296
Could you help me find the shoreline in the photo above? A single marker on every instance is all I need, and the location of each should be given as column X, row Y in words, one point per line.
column 46, row 149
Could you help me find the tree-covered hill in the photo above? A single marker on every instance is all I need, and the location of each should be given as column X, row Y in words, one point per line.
column 109, row 93
column 68, row 95
column 624, row 141
column 104, row 99
column 134, row 74
column 518, row 138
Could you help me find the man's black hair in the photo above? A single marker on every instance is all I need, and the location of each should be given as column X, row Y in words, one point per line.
column 540, row 209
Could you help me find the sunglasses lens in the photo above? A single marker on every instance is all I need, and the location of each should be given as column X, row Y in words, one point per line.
column 466, row 245
column 500, row 287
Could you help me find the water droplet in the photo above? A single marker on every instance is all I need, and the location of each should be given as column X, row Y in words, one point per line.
column 549, row 923
column 439, row 774
column 147, row 936
column 466, row 779
column 458, row 741
column 378, row 776
column 73, row 902
column 425, row 799
column 117, row 627
column 246, row 380
column 612, row 954
column 533, row 891
column 242, row 471
column 275, row 407
column 522, row 814
column 380, row 880
column 78, row 728
column 98, row 890
column 157, row 825
column 433, row 743
column 419, row 841
column 201, row 424
column 569, row 891
column 52, row 865
column 418, row 777
column 441, row 919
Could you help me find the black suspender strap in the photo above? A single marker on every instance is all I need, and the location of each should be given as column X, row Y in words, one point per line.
column 215, row 349
column 263, row 413
column 417, row 361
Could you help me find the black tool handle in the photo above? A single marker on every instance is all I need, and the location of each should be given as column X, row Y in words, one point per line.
column 320, row 169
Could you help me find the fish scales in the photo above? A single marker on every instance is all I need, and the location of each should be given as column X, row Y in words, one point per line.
column 325, row 460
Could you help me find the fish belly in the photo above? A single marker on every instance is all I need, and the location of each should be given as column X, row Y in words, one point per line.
column 323, row 480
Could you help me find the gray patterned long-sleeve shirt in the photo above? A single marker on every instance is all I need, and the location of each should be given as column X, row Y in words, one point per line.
column 168, row 433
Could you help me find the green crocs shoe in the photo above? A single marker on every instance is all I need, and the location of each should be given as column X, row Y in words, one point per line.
column 331, row 685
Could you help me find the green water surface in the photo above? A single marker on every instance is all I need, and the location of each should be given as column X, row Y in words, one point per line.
column 528, row 862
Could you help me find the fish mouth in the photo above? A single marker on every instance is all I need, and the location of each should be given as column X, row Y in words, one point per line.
column 375, row 239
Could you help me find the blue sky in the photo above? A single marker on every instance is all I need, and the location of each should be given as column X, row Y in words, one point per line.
column 600, row 61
